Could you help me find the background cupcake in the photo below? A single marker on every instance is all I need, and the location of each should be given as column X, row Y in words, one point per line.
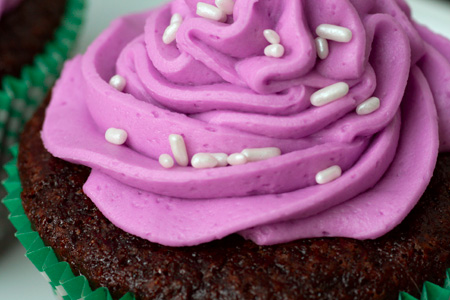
column 36, row 36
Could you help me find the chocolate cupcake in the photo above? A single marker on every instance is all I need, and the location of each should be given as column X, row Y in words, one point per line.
column 255, row 149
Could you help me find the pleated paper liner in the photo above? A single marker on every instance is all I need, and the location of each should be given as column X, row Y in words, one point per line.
column 69, row 286
column 20, row 96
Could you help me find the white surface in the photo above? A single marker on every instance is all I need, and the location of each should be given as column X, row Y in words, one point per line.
column 17, row 272
column 101, row 12
column 19, row 279
column 434, row 13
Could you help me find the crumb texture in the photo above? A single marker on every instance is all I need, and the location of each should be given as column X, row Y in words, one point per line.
column 232, row 268
column 25, row 30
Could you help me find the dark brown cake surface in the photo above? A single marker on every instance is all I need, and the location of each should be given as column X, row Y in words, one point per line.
column 232, row 268
column 25, row 30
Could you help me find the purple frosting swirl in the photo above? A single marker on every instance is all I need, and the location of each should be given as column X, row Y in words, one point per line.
column 216, row 88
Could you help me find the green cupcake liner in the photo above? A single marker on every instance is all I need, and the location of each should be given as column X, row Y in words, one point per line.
column 19, row 97
column 70, row 286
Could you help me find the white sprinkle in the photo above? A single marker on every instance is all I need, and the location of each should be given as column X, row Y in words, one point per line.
column 334, row 33
column 322, row 48
column 368, row 106
column 166, row 161
column 203, row 161
column 237, row 159
column 227, row 6
column 116, row 136
column 258, row 154
column 329, row 94
column 179, row 149
column 221, row 159
column 328, row 175
column 272, row 36
column 211, row 12
column 118, row 82
column 274, row 50
column 170, row 34
column 176, row 18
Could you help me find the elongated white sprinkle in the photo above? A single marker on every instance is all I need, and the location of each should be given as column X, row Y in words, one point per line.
column 176, row 18
column 203, row 161
column 329, row 94
column 237, row 159
column 179, row 149
column 257, row 154
column 211, row 12
column 272, row 36
column 328, row 175
column 334, row 33
column 274, row 50
column 166, row 161
column 368, row 106
column 116, row 136
column 221, row 159
column 227, row 6
column 118, row 82
column 170, row 34
column 322, row 48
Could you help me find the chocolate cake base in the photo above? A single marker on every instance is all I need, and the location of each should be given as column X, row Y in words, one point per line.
column 25, row 30
column 232, row 268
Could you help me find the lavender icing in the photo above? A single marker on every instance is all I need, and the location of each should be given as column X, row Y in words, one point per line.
column 6, row 5
column 215, row 87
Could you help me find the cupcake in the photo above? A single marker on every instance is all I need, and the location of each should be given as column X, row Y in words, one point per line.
column 35, row 38
column 240, row 150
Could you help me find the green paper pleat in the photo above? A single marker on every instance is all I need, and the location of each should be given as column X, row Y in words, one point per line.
column 434, row 292
column 38, row 256
column 12, row 204
column 21, row 223
column 19, row 97
column 77, row 287
column 30, row 240
column 405, row 296
column 99, row 294
column 55, row 272
column 447, row 280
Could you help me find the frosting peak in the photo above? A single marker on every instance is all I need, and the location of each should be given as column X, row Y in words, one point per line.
column 213, row 83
